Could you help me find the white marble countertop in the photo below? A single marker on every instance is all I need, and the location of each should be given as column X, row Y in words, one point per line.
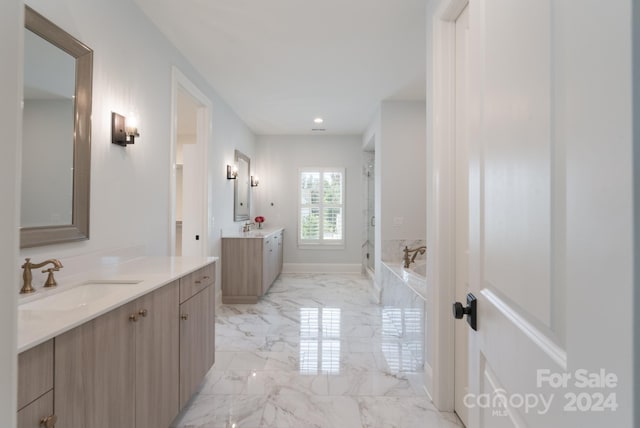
column 49, row 313
column 255, row 233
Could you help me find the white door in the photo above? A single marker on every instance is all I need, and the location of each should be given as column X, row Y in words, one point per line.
column 461, row 371
column 550, row 208
column 193, row 180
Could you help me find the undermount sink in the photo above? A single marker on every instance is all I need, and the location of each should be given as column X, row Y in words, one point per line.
column 78, row 297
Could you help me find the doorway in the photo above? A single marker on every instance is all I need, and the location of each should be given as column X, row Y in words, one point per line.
column 189, row 190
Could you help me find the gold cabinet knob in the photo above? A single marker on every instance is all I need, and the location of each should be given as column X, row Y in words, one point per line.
column 184, row 316
column 49, row 421
column 205, row 277
column 198, row 281
column 143, row 312
column 133, row 317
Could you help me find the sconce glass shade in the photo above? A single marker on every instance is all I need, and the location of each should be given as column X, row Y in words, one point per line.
column 255, row 180
column 122, row 133
column 232, row 172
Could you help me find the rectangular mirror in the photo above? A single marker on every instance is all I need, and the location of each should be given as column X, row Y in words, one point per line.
column 241, row 187
column 56, row 146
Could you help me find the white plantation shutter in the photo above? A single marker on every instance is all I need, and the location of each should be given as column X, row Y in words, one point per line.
column 321, row 206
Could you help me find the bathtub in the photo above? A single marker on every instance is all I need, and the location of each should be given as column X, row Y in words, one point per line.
column 418, row 269
column 404, row 303
column 414, row 277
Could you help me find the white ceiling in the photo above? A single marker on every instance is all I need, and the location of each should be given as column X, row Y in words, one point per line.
column 280, row 63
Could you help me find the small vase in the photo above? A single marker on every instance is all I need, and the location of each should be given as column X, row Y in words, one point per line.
column 259, row 225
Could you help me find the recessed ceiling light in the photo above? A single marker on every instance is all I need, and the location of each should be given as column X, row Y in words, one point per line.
column 318, row 120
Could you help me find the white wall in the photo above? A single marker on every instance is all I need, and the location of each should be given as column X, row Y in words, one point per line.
column 229, row 134
column 398, row 129
column 277, row 163
column 402, row 153
column 130, row 186
column 11, row 39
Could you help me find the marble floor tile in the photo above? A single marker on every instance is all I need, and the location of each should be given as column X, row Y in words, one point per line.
column 316, row 351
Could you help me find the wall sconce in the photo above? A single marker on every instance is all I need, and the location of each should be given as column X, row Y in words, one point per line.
column 255, row 180
column 232, row 172
column 123, row 133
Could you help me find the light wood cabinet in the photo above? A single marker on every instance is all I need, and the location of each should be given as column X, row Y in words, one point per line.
column 95, row 372
column 35, row 373
column 135, row 366
column 197, row 281
column 37, row 413
column 157, row 358
column 197, row 341
column 117, row 369
column 35, row 386
column 250, row 266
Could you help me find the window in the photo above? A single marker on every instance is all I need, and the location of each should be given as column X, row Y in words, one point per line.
column 321, row 211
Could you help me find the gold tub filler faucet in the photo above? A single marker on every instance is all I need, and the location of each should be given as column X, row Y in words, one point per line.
column 27, row 276
column 415, row 251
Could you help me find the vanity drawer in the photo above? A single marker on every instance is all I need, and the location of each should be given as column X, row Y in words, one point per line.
column 35, row 373
column 196, row 281
column 34, row 415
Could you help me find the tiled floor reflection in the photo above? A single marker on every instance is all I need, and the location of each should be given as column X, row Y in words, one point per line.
column 316, row 351
column 403, row 339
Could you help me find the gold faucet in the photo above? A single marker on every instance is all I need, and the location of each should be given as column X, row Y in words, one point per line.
column 415, row 251
column 27, row 276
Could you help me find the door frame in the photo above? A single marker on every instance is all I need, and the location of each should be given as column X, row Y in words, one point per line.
column 204, row 132
column 441, row 230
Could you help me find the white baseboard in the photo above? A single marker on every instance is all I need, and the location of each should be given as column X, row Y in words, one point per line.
column 321, row 268
column 376, row 290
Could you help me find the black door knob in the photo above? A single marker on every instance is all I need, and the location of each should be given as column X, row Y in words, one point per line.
column 470, row 310
column 460, row 311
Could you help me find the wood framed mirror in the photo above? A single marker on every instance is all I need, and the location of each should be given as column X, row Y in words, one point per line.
column 56, row 146
column 242, row 187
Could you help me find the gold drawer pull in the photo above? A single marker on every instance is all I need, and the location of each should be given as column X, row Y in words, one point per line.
column 205, row 277
column 133, row 317
column 49, row 421
column 184, row 316
column 143, row 312
column 198, row 282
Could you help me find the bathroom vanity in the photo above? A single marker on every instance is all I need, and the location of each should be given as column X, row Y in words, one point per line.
column 127, row 347
column 251, row 262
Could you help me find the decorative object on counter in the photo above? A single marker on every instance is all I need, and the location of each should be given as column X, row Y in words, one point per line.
column 415, row 251
column 27, row 276
column 255, row 180
column 259, row 220
column 123, row 131
column 232, row 172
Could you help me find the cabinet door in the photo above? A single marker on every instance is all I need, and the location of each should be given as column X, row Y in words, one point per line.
column 275, row 258
column 280, row 254
column 267, row 255
column 35, row 373
column 197, row 347
column 94, row 382
column 32, row 415
column 157, row 353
